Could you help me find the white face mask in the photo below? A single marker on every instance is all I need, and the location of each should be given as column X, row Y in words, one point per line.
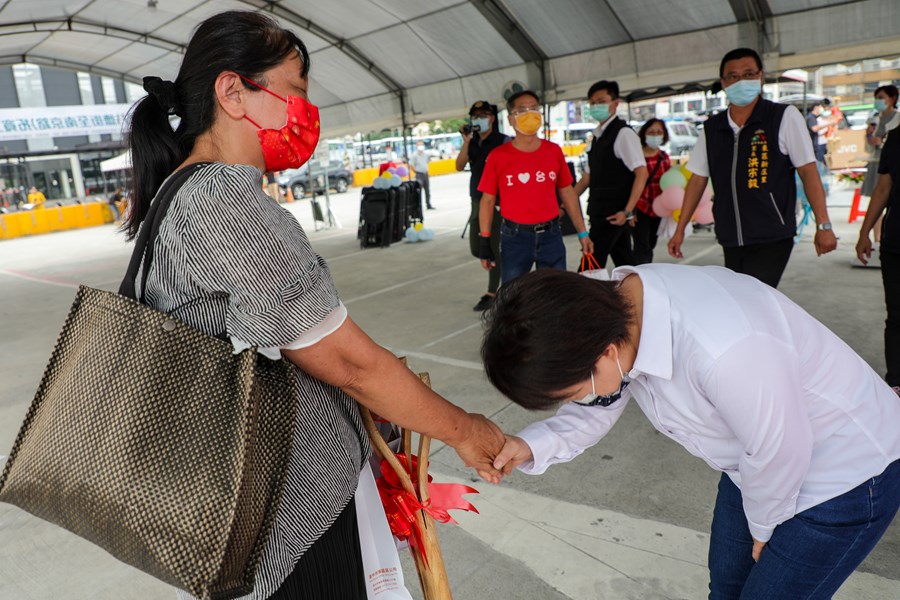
column 654, row 141
column 593, row 399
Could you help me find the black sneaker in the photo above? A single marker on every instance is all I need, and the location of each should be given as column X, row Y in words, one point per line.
column 484, row 303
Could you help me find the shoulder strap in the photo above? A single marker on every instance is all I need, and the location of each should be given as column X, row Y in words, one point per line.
column 655, row 168
column 143, row 247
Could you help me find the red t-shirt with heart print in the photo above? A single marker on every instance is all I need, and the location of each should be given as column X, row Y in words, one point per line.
column 527, row 181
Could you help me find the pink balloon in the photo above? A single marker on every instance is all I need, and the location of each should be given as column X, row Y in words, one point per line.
column 704, row 213
column 670, row 199
column 706, row 196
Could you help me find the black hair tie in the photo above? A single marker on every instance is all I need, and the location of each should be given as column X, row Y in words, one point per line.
column 164, row 92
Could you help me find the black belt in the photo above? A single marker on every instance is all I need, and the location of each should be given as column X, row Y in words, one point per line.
column 536, row 228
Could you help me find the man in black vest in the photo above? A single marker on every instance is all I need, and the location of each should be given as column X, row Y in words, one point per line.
column 751, row 152
column 480, row 137
column 616, row 176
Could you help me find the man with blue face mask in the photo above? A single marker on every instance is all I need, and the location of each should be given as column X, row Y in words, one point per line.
column 481, row 137
column 616, row 175
column 751, row 152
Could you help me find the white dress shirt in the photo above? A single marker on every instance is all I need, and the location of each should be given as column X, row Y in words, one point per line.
column 626, row 148
column 745, row 379
column 419, row 162
column 793, row 140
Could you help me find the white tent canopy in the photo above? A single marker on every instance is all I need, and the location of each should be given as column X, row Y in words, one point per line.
column 121, row 162
column 378, row 63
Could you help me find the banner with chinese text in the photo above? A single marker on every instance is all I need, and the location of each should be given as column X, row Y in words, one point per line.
column 61, row 121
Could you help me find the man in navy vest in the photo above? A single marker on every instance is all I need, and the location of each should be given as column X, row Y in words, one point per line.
column 616, row 176
column 751, row 152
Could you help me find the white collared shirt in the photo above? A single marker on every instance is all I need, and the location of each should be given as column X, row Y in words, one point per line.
column 793, row 140
column 745, row 379
column 626, row 148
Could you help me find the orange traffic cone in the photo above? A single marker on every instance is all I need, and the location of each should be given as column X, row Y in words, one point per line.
column 289, row 195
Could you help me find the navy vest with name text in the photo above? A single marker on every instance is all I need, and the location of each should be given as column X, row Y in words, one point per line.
column 755, row 191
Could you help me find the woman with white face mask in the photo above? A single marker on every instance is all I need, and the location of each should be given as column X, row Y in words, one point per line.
column 652, row 134
column 888, row 118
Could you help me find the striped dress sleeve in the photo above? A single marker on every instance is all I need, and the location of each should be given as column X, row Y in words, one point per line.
column 247, row 248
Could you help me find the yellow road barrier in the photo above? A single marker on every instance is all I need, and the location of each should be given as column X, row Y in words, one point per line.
column 59, row 218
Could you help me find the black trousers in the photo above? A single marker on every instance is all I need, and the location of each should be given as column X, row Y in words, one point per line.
column 766, row 262
column 643, row 237
column 332, row 567
column 890, row 275
column 613, row 241
column 474, row 241
column 422, row 178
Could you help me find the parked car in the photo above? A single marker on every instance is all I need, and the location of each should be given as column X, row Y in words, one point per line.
column 339, row 178
column 682, row 137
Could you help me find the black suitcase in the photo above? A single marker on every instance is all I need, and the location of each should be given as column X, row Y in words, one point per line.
column 414, row 200
column 377, row 210
column 400, row 219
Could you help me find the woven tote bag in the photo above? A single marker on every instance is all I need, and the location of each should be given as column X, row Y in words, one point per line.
column 154, row 440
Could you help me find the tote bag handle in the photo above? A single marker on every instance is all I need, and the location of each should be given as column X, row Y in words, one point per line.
column 143, row 247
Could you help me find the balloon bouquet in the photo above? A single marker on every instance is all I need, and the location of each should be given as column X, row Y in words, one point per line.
column 392, row 177
column 668, row 204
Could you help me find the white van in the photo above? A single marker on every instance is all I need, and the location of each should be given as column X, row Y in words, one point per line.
column 682, row 137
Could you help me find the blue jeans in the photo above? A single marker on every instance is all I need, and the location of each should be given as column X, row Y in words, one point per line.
column 810, row 555
column 520, row 249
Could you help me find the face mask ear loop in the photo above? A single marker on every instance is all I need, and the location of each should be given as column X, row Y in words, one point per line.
column 254, row 84
column 593, row 389
column 255, row 124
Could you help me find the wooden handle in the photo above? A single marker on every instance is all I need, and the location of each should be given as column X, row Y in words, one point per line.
column 433, row 574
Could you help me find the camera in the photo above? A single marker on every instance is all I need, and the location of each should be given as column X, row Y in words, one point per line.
column 469, row 128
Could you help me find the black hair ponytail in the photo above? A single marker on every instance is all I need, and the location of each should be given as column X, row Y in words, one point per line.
column 154, row 154
column 248, row 43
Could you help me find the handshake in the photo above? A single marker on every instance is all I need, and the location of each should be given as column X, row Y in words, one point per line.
column 489, row 451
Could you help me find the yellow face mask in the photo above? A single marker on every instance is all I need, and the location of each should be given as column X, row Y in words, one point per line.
column 528, row 123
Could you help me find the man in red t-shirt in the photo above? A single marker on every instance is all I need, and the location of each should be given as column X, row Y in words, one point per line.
column 529, row 171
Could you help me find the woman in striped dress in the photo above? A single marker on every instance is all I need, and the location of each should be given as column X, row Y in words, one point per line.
column 229, row 261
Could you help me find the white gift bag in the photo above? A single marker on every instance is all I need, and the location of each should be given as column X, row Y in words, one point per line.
column 381, row 562
column 667, row 228
column 592, row 269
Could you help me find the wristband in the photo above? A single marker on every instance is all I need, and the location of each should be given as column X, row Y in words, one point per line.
column 582, row 234
column 483, row 234
column 826, row 226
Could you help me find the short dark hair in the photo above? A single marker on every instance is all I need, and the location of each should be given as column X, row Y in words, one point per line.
column 611, row 87
column 890, row 90
column 737, row 54
column 512, row 99
column 642, row 132
column 546, row 330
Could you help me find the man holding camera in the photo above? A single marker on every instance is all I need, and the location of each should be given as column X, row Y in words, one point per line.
column 480, row 136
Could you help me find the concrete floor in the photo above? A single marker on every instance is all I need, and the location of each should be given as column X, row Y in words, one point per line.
column 629, row 519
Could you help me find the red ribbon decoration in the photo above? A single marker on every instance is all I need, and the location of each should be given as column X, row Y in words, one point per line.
column 400, row 506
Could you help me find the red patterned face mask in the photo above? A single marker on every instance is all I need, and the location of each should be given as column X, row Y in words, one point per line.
column 293, row 144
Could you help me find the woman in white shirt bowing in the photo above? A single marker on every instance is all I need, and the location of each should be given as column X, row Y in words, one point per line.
column 803, row 430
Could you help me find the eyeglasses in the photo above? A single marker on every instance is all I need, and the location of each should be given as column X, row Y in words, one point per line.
column 522, row 111
column 733, row 77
